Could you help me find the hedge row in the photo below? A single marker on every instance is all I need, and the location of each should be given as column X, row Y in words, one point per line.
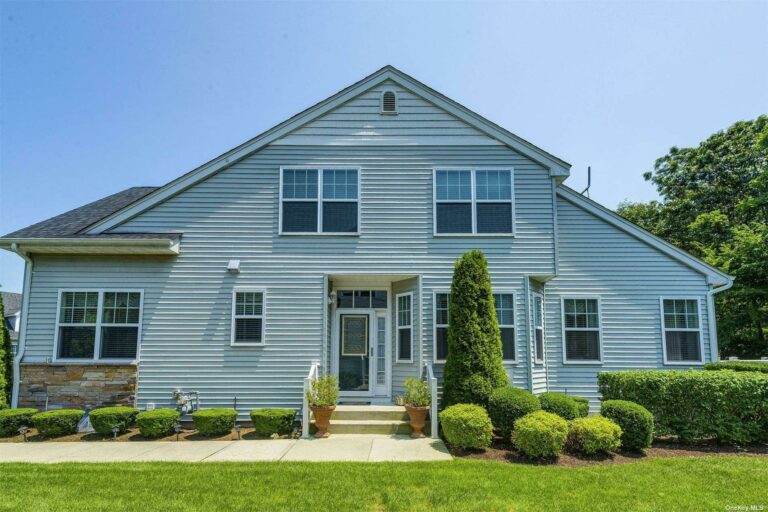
column 739, row 366
column 729, row 406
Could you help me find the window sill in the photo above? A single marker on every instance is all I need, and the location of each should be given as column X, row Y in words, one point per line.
column 91, row 362
column 319, row 234
column 683, row 363
column 473, row 235
column 582, row 363
column 246, row 345
column 404, row 361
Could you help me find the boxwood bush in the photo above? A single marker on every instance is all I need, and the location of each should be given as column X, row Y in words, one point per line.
column 729, row 406
column 104, row 418
column 11, row 420
column 583, row 405
column 212, row 422
column 157, row 422
column 506, row 405
column 636, row 423
column 563, row 405
column 739, row 366
column 540, row 434
column 272, row 421
column 593, row 435
column 466, row 426
column 60, row 422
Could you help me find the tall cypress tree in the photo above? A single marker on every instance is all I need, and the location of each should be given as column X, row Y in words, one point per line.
column 473, row 368
column 6, row 356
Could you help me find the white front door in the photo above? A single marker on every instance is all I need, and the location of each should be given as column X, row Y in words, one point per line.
column 356, row 364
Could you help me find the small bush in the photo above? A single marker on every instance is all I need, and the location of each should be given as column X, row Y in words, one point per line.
column 324, row 392
column 563, row 405
column 636, row 423
column 506, row 405
column 212, row 422
column 104, row 418
column 466, row 426
column 61, row 422
column 540, row 434
column 595, row 434
column 11, row 420
column 272, row 421
column 417, row 393
column 739, row 366
column 157, row 422
column 583, row 405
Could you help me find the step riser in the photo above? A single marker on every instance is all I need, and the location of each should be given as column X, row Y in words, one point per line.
column 340, row 428
column 372, row 415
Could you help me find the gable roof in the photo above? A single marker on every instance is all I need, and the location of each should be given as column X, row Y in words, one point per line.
column 11, row 303
column 557, row 167
column 714, row 275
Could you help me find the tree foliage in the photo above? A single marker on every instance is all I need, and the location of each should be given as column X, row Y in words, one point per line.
column 715, row 206
column 473, row 368
column 6, row 357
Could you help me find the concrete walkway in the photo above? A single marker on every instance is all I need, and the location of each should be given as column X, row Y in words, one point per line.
column 358, row 448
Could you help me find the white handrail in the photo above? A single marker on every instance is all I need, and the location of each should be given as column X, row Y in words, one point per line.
column 432, row 381
column 314, row 370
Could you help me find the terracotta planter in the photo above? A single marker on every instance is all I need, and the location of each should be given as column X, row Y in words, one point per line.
column 418, row 417
column 322, row 419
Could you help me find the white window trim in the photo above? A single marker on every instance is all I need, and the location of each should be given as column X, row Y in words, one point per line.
column 319, row 200
column 263, row 316
column 664, row 331
column 590, row 362
column 98, row 325
column 507, row 291
column 381, row 102
column 435, row 325
column 398, row 327
column 534, row 296
column 473, row 201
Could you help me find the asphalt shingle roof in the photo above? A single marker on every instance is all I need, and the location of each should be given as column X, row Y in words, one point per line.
column 11, row 303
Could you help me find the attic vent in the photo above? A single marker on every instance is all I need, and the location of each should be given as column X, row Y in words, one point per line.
column 389, row 102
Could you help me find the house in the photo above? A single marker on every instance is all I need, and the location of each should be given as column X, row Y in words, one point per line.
column 12, row 316
column 332, row 237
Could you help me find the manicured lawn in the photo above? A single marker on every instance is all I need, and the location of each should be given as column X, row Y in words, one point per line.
column 706, row 483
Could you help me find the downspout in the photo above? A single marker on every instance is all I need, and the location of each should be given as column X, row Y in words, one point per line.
column 527, row 291
column 713, row 348
column 23, row 321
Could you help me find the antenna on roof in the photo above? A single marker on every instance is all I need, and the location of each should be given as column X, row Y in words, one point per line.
column 589, row 181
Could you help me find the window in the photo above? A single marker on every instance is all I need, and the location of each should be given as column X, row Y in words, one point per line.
column 319, row 201
column 538, row 328
column 478, row 201
column 682, row 331
column 365, row 299
column 441, row 304
column 248, row 317
column 388, row 102
column 404, row 327
column 505, row 314
column 98, row 325
column 581, row 322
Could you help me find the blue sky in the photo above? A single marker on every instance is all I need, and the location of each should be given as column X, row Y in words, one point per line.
column 98, row 97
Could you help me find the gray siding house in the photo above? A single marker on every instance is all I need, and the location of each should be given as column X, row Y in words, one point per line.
column 332, row 238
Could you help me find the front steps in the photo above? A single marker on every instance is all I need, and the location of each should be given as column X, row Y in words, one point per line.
column 370, row 419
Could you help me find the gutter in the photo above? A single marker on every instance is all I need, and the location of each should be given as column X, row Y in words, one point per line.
column 713, row 319
column 21, row 343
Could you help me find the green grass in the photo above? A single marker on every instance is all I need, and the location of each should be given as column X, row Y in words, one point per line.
column 706, row 483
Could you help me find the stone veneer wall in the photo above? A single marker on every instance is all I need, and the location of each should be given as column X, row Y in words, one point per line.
column 77, row 386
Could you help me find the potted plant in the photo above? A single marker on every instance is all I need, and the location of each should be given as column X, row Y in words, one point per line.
column 322, row 397
column 417, row 399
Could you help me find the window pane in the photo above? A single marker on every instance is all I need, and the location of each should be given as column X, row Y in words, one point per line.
column 404, row 310
column 119, row 342
column 249, row 303
column 683, row 346
column 538, row 319
column 78, row 307
column 505, row 313
column 441, row 308
column 362, row 299
column 339, row 184
column 404, row 343
column 493, row 185
column 582, row 345
column 454, row 218
column 300, row 183
column 539, row 344
column 76, row 342
column 508, row 343
column 344, row 299
column 454, row 185
column 120, row 308
column 248, row 330
column 379, row 299
column 441, row 343
column 339, row 217
column 300, row 217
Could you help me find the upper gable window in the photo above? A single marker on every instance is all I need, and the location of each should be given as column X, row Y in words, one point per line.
column 388, row 102
column 319, row 201
column 473, row 201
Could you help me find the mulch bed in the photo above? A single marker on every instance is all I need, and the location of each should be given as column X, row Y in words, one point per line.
column 134, row 435
column 502, row 451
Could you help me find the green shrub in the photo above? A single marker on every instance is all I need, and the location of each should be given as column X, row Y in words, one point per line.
column 324, row 392
column 506, row 405
column 473, row 368
column 417, row 393
column 157, row 422
column 273, row 421
column 583, row 405
column 563, row 405
column 104, row 418
column 466, row 426
column 61, row 422
column 739, row 366
column 729, row 406
column 593, row 435
column 212, row 422
column 11, row 420
column 540, row 434
column 636, row 423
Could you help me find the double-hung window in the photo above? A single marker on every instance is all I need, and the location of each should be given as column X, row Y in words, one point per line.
column 682, row 331
column 248, row 317
column 98, row 325
column 538, row 328
column 581, row 325
column 473, row 201
column 405, row 327
column 442, row 301
column 319, row 201
column 505, row 314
